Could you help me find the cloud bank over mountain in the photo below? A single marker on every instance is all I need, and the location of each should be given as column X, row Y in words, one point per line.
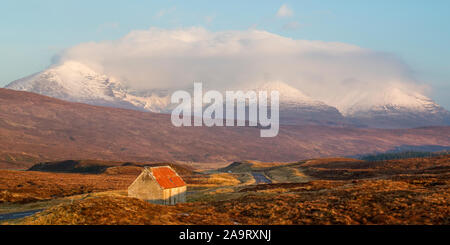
column 339, row 74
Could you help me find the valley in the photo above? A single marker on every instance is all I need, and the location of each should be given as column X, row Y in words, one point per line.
column 315, row 191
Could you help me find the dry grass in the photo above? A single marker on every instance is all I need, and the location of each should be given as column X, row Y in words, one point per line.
column 259, row 165
column 410, row 191
column 342, row 169
column 214, row 180
column 124, row 211
column 29, row 186
column 223, row 179
column 34, row 186
column 287, row 174
column 248, row 166
column 409, row 201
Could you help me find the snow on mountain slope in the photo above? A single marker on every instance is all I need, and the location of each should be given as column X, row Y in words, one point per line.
column 296, row 108
column 390, row 99
column 74, row 81
column 289, row 94
column 71, row 79
column 392, row 107
column 396, row 108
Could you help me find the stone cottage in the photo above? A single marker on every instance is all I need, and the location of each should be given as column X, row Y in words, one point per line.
column 159, row 185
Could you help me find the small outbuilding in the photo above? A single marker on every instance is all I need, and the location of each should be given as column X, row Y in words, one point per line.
column 159, row 185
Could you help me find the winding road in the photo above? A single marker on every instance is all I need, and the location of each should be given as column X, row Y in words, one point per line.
column 261, row 178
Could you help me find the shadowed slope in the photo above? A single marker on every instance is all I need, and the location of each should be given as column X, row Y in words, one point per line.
column 37, row 128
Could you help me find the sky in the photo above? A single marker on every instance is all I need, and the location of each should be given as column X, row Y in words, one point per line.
column 34, row 32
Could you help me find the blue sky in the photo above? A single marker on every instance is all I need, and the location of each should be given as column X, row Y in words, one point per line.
column 418, row 32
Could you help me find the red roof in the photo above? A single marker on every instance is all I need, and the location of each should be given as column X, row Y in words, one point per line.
column 167, row 178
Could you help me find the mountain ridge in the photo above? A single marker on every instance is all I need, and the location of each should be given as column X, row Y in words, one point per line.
column 40, row 128
column 393, row 108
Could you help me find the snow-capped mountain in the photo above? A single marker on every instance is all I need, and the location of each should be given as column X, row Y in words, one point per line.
column 394, row 108
column 391, row 108
column 290, row 95
column 74, row 81
column 296, row 108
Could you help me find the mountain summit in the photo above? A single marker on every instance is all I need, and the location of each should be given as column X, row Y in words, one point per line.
column 296, row 108
column 395, row 107
column 288, row 94
column 76, row 82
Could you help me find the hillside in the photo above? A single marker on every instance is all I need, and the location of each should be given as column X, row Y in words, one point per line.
column 98, row 167
column 406, row 191
column 392, row 106
column 36, row 128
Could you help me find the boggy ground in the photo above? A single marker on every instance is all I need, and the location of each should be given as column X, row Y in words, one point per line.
column 339, row 191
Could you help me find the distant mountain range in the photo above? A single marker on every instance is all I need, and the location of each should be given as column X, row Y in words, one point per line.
column 36, row 128
column 76, row 82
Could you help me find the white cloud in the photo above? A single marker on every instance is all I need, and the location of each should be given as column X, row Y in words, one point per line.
column 335, row 73
column 285, row 11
